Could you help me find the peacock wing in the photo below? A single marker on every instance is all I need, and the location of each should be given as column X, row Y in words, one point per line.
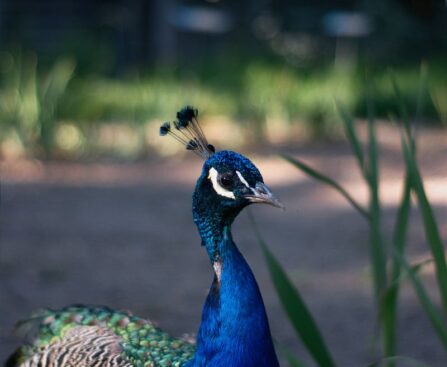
column 86, row 346
column 80, row 336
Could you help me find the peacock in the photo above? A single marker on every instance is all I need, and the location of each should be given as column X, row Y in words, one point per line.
column 234, row 330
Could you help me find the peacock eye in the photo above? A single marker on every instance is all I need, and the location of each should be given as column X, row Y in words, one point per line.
column 226, row 180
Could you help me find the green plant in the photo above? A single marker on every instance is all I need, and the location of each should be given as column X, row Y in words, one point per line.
column 383, row 250
column 259, row 93
column 297, row 311
column 50, row 91
column 30, row 102
column 18, row 103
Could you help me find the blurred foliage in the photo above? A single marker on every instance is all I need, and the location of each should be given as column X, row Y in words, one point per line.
column 29, row 102
column 53, row 112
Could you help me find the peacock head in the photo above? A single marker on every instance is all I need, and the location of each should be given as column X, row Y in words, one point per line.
column 229, row 181
column 232, row 181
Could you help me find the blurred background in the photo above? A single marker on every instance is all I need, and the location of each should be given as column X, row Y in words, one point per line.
column 95, row 206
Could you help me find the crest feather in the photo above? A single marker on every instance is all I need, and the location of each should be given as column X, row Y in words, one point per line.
column 188, row 132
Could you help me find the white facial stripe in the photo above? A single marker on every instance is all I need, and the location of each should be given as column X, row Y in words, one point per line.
column 243, row 180
column 212, row 175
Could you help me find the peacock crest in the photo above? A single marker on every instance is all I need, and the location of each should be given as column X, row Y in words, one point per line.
column 188, row 132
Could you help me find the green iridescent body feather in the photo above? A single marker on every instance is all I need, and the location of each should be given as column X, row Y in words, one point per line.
column 142, row 344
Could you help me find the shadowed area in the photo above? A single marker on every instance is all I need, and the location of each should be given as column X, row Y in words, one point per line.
column 123, row 236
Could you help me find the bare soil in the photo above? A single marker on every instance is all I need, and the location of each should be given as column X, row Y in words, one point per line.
column 122, row 235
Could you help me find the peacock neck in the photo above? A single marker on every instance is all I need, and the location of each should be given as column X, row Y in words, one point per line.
column 234, row 330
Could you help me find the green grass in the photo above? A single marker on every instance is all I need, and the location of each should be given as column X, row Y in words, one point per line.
column 389, row 266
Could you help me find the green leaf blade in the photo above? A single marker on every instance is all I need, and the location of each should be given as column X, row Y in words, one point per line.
column 388, row 308
column 435, row 317
column 298, row 312
column 295, row 308
column 377, row 251
column 431, row 228
column 352, row 136
column 326, row 180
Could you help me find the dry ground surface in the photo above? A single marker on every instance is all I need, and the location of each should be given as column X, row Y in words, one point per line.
column 122, row 235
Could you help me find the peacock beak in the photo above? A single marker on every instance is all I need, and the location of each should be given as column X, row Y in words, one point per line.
column 262, row 194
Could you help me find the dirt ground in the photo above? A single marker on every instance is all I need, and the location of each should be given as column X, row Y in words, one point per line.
column 122, row 235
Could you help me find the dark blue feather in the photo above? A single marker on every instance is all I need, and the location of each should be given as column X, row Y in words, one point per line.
column 234, row 330
column 189, row 133
column 185, row 115
column 165, row 128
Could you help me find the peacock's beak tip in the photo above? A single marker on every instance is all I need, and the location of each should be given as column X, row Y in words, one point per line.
column 263, row 195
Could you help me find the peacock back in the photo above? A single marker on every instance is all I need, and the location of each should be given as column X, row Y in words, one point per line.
column 98, row 336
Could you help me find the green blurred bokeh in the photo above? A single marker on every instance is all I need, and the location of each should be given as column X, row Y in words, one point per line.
column 279, row 82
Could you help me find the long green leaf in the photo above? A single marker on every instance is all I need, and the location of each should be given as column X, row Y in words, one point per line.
column 295, row 308
column 430, row 225
column 388, row 308
column 322, row 178
column 435, row 317
column 422, row 87
column 403, row 112
column 378, row 256
column 351, row 134
column 389, row 305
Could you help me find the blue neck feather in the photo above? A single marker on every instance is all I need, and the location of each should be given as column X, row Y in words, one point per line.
column 234, row 330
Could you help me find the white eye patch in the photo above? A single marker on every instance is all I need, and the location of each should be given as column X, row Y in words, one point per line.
column 212, row 175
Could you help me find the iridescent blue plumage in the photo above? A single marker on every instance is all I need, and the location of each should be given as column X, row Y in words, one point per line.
column 234, row 331
column 212, row 212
